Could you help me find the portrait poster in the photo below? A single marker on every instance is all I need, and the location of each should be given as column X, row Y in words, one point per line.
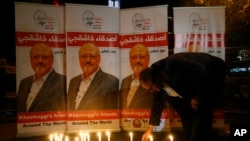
column 40, row 24
column 143, row 41
column 92, row 33
column 200, row 29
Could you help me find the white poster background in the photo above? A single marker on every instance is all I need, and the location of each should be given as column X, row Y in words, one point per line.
column 200, row 28
column 153, row 33
column 104, row 33
column 28, row 32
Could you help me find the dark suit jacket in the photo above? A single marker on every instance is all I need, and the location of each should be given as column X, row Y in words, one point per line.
column 142, row 99
column 101, row 94
column 191, row 75
column 51, row 97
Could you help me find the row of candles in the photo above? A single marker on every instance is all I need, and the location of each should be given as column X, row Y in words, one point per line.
column 82, row 137
column 86, row 137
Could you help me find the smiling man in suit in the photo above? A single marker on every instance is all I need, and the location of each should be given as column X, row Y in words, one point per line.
column 46, row 89
column 94, row 89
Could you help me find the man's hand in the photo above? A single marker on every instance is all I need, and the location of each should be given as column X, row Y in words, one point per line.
column 147, row 133
column 194, row 103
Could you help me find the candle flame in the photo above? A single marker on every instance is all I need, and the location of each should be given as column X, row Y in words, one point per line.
column 150, row 138
column 66, row 138
column 171, row 137
column 51, row 137
column 99, row 136
column 131, row 136
column 130, row 133
column 107, row 133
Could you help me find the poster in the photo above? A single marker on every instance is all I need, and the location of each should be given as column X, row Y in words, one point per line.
column 40, row 69
column 92, row 67
column 200, row 29
column 143, row 40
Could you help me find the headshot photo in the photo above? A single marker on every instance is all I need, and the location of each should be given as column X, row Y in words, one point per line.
column 195, row 21
column 45, row 90
column 93, row 89
column 40, row 18
column 137, row 21
column 132, row 94
column 88, row 18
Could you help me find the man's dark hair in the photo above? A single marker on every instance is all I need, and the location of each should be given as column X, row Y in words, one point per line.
column 145, row 76
column 149, row 76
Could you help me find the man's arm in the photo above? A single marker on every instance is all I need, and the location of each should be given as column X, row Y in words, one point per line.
column 156, row 111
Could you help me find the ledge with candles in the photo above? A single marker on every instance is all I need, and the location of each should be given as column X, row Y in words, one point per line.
column 114, row 136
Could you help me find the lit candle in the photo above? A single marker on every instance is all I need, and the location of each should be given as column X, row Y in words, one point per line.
column 171, row 137
column 51, row 137
column 99, row 136
column 61, row 137
column 84, row 137
column 76, row 139
column 108, row 135
column 66, row 138
column 88, row 136
column 81, row 136
column 131, row 136
column 150, row 138
column 55, row 137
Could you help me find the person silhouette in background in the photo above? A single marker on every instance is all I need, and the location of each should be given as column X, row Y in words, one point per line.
column 46, row 89
column 94, row 89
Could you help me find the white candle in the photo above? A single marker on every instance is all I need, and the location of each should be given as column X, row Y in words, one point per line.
column 88, row 136
column 84, row 137
column 81, row 136
column 150, row 138
column 55, row 137
column 99, row 136
column 131, row 136
column 61, row 137
column 66, row 138
column 108, row 135
column 76, row 139
column 51, row 137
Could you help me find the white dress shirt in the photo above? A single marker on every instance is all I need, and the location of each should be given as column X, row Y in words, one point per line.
column 171, row 92
column 35, row 88
column 133, row 87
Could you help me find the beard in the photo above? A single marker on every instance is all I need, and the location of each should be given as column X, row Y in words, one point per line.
column 88, row 68
column 137, row 69
column 40, row 69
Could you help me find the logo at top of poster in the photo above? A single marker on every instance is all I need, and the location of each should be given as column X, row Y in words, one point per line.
column 90, row 21
column 140, row 23
column 197, row 23
column 43, row 21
